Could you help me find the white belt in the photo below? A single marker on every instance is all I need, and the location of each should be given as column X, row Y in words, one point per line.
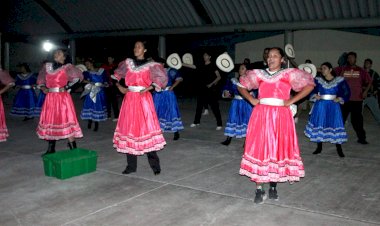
column 136, row 88
column 328, row 97
column 167, row 88
column 272, row 101
column 99, row 84
column 238, row 97
column 56, row 90
column 26, row 87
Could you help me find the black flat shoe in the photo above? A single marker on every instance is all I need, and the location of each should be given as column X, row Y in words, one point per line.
column 176, row 136
column 128, row 171
column 157, row 172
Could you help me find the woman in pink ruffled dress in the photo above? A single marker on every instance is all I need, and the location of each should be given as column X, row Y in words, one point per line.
column 138, row 130
column 271, row 151
column 8, row 82
column 58, row 118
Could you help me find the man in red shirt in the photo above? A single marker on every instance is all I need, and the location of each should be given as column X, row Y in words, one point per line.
column 359, row 82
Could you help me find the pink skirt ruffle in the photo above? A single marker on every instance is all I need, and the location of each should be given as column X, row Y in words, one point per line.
column 138, row 130
column 3, row 127
column 58, row 118
column 271, row 151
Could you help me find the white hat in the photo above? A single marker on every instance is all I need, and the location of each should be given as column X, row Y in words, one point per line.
column 81, row 67
column 289, row 51
column 174, row 61
column 309, row 68
column 224, row 62
column 187, row 58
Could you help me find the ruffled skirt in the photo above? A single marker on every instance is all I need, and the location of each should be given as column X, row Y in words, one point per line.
column 138, row 130
column 95, row 111
column 167, row 110
column 238, row 118
column 58, row 118
column 271, row 151
column 3, row 127
column 24, row 103
column 326, row 123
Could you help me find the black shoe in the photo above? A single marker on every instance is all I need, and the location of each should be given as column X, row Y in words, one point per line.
column 176, row 136
column 89, row 124
column 339, row 150
column 27, row 118
column 72, row 145
column 318, row 150
column 227, row 141
column 260, row 196
column 96, row 127
column 273, row 193
column 51, row 148
column 362, row 141
column 128, row 171
column 156, row 172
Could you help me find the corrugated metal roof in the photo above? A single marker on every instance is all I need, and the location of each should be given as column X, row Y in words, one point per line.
column 134, row 17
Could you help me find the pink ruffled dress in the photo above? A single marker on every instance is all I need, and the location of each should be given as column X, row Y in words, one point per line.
column 138, row 130
column 58, row 118
column 5, row 79
column 271, row 151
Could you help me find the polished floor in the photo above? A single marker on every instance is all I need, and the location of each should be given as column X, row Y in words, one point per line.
column 199, row 183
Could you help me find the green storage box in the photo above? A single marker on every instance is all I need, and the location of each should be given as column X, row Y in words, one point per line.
column 70, row 163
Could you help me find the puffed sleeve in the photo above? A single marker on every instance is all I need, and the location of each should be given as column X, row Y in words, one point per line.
column 5, row 78
column 344, row 91
column 73, row 73
column 299, row 79
column 41, row 78
column 121, row 71
column 158, row 76
column 249, row 81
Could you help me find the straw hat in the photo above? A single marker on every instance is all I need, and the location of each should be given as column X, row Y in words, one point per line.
column 187, row 58
column 309, row 68
column 289, row 51
column 224, row 62
column 81, row 67
column 174, row 61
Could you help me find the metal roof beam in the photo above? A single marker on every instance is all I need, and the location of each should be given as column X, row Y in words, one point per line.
column 307, row 25
column 55, row 15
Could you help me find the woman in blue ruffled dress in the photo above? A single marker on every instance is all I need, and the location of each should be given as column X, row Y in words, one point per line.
column 326, row 122
column 25, row 101
column 94, row 105
column 240, row 109
column 166, row 106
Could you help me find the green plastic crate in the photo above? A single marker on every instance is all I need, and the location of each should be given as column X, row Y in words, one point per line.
column 70, row 163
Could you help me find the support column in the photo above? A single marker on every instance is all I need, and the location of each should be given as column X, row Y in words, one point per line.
column 289, row 37
column 73, row 50
column 6, row 56
column 162, row 46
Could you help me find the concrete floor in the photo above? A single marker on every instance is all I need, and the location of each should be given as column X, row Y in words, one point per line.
column 199, row 183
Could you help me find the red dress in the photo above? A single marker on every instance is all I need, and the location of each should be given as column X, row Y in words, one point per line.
column 58, row 118
column 271, row 151
column 138, row 130
column 5, row 79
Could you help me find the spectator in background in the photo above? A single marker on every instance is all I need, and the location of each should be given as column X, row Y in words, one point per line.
column 260, row 64
column 359, row 82
column 112, row 92
column 372, row 99
column 208, row 91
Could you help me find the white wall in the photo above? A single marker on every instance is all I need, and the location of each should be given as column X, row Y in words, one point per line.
column 317, row 45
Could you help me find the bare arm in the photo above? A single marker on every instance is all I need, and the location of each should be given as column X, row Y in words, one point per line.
column 175, row 84
column 218, row 77
column 244, row 92
column 303, row 93
column 5, row 89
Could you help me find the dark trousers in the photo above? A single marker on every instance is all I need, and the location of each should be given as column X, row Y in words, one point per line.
column 153, row 160
column 355, row 108
column 210, row 98
column 111, row 95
